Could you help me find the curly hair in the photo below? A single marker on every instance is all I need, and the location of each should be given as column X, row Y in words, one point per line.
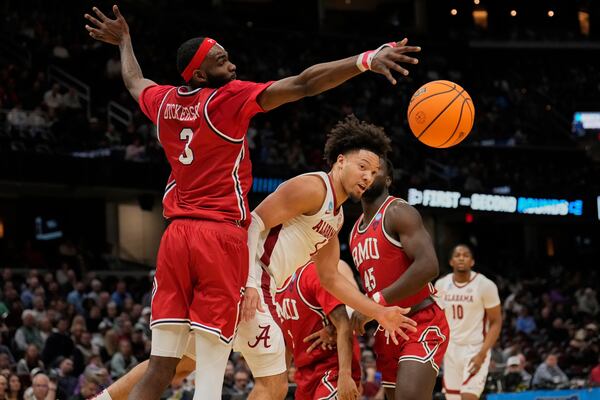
column 351, row 134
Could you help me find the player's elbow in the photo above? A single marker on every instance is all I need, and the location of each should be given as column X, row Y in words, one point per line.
column 496, row 321
column 433, row 268
column 304, row 89
column 310, row 90
column 328, row 281
column 306, row 84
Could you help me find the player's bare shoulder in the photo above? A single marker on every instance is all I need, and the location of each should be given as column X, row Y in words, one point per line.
column 309, row 184
column 400, row 215
column 309, row 189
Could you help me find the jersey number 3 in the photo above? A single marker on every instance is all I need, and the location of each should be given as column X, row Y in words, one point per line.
column 187, row 157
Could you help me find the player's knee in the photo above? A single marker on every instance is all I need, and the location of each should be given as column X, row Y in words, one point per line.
column 184, row 368
column 282, row 389
column 276, row 386
column 411, row 392
column 161, row 369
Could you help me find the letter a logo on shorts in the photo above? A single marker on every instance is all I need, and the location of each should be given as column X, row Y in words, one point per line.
column 264, row 336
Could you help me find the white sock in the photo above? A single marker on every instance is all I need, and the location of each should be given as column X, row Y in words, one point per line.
column 211, row 359
column 103, row 396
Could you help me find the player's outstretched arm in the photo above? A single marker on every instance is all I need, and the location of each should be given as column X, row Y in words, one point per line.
column 116, row 32
column 390, row 318
column 404, row 221
column 346, row 386
column 322, row 77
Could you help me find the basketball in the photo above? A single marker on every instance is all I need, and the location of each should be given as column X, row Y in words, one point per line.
column 441, row 114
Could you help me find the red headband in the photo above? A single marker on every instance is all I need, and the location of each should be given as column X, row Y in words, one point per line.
column 198, row 58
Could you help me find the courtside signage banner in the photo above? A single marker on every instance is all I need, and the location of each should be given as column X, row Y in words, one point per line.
column 581, row 394
column 495, row 202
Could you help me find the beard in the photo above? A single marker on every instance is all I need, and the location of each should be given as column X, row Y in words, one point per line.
column 215, row 82
column 374, row 191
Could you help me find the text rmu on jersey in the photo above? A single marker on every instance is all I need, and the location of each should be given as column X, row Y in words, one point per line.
column 182, row 113
column 364, row 251
column 287, row 309
column 325, row 230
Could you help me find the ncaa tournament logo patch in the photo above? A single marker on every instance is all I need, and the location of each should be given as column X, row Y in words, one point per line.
column 377, row 220
column 329, row 208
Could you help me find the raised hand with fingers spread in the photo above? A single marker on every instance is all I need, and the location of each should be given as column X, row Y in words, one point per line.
column 387, row 58
column 104, row 29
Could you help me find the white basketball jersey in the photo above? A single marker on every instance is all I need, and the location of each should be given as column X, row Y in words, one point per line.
column 285, row 248
column 465, row 304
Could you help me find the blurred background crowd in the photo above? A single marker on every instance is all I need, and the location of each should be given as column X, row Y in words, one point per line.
column 84, row 329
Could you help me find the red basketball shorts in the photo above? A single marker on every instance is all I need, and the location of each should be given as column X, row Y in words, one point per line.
column 427, row 345
column 201, row 273
column 320, row 382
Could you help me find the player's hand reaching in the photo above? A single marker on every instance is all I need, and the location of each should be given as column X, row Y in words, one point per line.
column 358, row 322
column 389, row 59
column 346, row 387
column 393, row 320
column 251, row 303
column 325, row 337
column 104, row 29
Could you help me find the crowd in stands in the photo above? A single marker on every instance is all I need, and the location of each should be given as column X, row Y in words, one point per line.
column 75, row 327
column 524, row 104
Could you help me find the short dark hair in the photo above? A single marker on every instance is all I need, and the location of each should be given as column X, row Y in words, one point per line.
column 186, row 52
column 461, row 245
column 352, row 134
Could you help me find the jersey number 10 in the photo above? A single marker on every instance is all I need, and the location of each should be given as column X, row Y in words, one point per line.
column 457, row 311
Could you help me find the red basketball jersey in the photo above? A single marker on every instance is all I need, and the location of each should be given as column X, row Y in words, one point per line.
column 379, row 257
column 203, row 133
column 303, row 306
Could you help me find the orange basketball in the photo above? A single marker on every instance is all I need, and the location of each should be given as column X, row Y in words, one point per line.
column 441, row 114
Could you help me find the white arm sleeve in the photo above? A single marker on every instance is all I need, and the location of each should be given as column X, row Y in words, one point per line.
column 255, row 270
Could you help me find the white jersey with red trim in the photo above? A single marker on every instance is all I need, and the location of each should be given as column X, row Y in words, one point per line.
column 465, row 304
column 284, row 248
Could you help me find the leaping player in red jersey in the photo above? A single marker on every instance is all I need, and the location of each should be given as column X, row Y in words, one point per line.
column 202, row 128
column 305, row 307
column 396, row 260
